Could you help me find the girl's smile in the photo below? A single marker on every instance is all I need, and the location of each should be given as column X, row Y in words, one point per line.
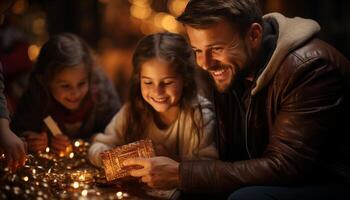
column 161, row 86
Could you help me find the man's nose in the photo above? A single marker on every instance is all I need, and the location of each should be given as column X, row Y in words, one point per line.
column 205, row 60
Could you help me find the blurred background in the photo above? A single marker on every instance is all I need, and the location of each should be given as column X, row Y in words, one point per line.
column 113, row 27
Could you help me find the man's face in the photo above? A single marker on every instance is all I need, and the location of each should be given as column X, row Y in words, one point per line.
column 221, row 51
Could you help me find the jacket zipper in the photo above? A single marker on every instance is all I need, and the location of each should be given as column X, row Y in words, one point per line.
column 246, row 126
column 245, row 122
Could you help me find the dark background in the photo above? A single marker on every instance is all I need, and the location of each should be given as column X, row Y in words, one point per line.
column 113, row 27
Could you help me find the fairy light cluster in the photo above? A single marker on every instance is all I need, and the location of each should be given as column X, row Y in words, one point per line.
column 50, row 176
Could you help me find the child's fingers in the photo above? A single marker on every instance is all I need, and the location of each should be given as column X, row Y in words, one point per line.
column 60, row 142
column 37, row 145
column 35, row 136
column 59, row 146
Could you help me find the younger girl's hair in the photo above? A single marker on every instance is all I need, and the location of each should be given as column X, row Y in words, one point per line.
column 174, row 49
column 58, row 53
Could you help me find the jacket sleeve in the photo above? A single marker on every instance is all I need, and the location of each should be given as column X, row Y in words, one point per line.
column 308, row 101
column 112, row 136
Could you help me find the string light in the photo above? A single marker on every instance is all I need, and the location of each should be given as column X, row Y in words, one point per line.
column 48, row 176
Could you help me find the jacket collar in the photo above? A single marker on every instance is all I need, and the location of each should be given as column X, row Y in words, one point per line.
column 292, row 33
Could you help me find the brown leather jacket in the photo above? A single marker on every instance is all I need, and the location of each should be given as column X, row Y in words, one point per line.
column 293, row 127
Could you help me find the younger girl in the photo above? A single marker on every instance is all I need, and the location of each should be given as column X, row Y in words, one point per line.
column 163, row 104
column 67, row 85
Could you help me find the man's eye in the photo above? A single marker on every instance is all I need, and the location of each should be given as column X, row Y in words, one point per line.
column 168, row 83
column 217, row 49
column 196, row 51
column 147, row 83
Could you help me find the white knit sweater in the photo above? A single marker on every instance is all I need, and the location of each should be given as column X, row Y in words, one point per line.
column 179, row 138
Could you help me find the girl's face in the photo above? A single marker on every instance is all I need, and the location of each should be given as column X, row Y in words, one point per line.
column 70, row 86
column 161, row 86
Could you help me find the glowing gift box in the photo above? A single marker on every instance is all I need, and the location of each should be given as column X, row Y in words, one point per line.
column 112, row 160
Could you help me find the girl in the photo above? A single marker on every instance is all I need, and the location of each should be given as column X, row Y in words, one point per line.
column 163, row 105
column 67, row 85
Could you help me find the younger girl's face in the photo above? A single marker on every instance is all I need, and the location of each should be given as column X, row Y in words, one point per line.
column 70, row 86
column 161, row 86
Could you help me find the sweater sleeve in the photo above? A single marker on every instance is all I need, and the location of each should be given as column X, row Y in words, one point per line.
column 112, row 136
column 207, row 146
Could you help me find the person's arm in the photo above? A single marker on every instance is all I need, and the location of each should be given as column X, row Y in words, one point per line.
column 157, row 172
column 36, row 141
column 112, row 136
column 309, row 100
column 207, row 147
column 13, row 147
column 163, row 171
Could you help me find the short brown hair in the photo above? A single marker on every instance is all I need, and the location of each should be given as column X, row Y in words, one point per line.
column 203, row 13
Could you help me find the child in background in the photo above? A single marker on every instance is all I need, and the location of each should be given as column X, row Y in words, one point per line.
column 163, row 104
column 67, row 85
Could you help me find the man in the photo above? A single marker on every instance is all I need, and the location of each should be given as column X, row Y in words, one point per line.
column 13, row 147
column 281, row 99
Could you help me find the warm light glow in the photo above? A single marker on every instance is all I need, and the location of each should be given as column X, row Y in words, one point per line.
column 119, row 195
column 140, row 12
column 158, row 19
column 71, row 155
column 169, row 23
column 25, row 178
column 47, row 150
column 141, row 3
column 33, row 53
column 84, row 193
column 176, row 7
column 75, row 185
column 39, row 26
column 82, row 177
column 76, row 143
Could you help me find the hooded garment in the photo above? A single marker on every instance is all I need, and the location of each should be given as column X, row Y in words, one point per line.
column 290, row 129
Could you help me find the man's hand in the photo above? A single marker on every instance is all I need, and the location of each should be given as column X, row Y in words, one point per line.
column 157, row 172
column 13, row 147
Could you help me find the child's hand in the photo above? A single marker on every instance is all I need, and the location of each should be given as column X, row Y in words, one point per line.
column 60, row 143
column 157, row 172
column 36, row 141
column 13, row 148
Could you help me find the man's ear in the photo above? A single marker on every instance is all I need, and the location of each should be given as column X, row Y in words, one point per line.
column 254, row 35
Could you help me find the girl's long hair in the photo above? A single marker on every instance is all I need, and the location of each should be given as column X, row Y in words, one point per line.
column 174, row 49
